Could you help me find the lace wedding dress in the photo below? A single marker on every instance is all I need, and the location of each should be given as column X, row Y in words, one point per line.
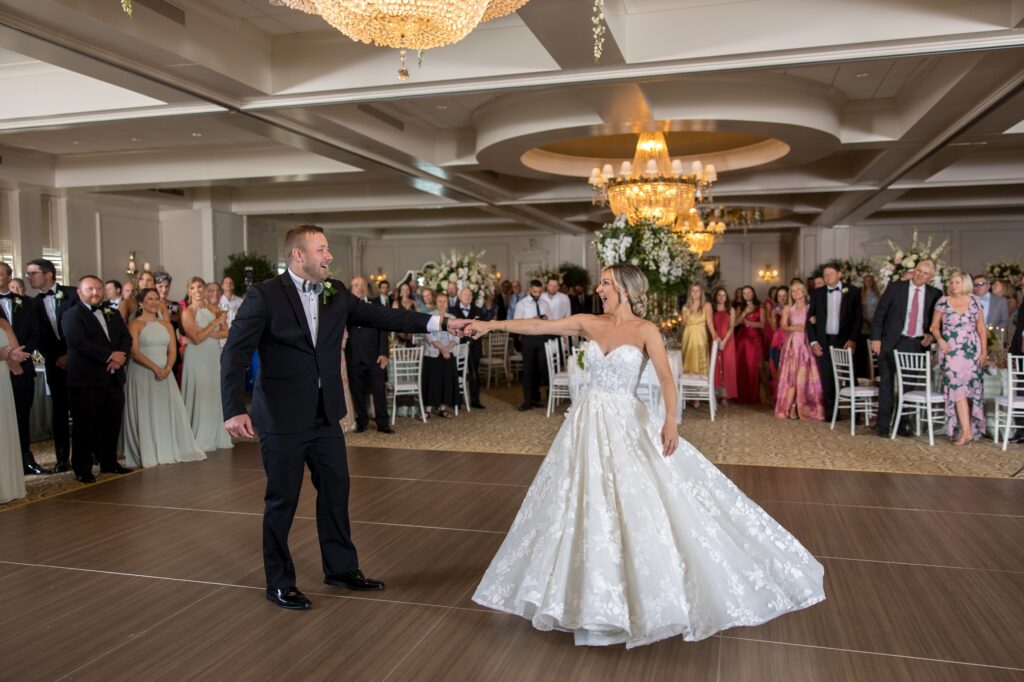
column 618, row 544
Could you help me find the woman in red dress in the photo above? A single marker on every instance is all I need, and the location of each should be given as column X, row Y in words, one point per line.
column 749, row 348
column 723, row 318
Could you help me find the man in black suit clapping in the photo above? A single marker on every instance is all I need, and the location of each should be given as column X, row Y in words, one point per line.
column 98, row 345
column 366, row 357
column 901, row 323
column 465, row 309
column 51, row 304
column 835, row 318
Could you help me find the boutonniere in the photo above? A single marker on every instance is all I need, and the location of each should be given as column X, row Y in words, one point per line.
column 108, row 312
column 327, row 292
column 846, row 290
column 60, row 295
column 17, row 303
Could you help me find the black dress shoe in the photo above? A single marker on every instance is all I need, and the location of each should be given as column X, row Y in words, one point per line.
column 360, row 428
column 1019, row 438
column 85, row 478
column 354, row 580
column 385, row 429
column 61, row 467
column 34, row 469
column 289, row 598
column 539, row 404
column 477, row 406
column 116, row 469
column 524, row 407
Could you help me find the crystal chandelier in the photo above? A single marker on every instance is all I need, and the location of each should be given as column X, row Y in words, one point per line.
column 405, row 24
column 653, row 187
column 699, row 236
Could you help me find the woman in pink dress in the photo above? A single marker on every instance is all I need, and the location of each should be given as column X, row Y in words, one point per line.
column 799, row 394
column 749, row 348
column 723, row 318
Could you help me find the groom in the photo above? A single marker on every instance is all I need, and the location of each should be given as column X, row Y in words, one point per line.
column 296, row 321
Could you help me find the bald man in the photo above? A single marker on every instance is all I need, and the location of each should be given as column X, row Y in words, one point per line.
column 366, row 356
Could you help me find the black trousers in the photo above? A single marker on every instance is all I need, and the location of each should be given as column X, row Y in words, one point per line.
column 24, row 387
column 97, row 413
column 285, row 456
column 57, row 380
column 828, row 381
column 887, row 379
column 366, row 380
column 473, row 372
column 535, row 367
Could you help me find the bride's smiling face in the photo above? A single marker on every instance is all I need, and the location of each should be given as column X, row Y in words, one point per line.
column 607, row 292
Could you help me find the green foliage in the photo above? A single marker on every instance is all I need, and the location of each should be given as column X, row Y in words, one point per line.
column 262, row 269
column 574, row 275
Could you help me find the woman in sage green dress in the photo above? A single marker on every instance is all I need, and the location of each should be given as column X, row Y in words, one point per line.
column 156, row 428
column 12, row 474
column 200, row 377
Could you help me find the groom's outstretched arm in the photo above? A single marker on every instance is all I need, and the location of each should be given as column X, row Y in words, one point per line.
column 243, row 339
column 388, row 319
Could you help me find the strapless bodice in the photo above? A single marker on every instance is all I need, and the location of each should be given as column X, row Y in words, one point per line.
column 617, row 372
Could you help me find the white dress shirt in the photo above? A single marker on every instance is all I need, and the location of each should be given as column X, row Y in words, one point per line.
column 98, row 314
column 8, row 305
column 918, row 329
column 231, row 306
column 559, row 305
column 50, row 304
column 834, row 297
column 527, row 308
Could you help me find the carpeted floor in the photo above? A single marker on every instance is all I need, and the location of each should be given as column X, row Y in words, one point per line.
column 740, row 435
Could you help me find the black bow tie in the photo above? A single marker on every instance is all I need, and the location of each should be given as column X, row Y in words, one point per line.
column 51, row 292
column 94, row 308
column 317, row 287
column 831, row 289
column 8, row 295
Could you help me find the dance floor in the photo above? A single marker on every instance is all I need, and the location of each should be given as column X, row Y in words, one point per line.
column 157, row 576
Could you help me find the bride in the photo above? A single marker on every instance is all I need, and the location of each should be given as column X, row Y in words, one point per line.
column 628, row 535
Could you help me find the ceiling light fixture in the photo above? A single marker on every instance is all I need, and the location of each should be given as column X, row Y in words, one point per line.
column 863, row 74
column 197, row 134
column 405, row 24
column 653, row 187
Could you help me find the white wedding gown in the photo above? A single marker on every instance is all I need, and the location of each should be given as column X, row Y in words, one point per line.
column 618, row 544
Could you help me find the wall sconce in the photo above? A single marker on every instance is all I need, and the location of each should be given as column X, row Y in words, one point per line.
column 767, row 274
column 130, row 271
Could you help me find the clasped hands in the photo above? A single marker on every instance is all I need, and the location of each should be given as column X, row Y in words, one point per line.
column 116, row 361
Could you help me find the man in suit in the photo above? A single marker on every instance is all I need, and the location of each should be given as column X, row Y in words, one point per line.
column 20, row 312
column 834, row 320
column 384, row 293
column 296, row 320
column 464, row 309
column 366, row 357
column 51, row 304
column 901, row 323
column 997, row 310
column 98, row 345
column 580, row 301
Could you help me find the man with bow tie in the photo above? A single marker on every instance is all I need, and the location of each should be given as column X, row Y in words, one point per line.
column 366, row 356
column 20, row 312
column 465, row 309
column 834, row 320
column 98, row 345
column 51, row 304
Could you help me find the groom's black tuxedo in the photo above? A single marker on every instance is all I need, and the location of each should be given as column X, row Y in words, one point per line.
column 52, row 347
column 851, row 317
column 96, row 395
column 297, row 404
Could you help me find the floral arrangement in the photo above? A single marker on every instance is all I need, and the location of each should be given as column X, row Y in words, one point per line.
column 664, row 258
column 465, row 269
column 902, row 261
column 1009, row 270
column 546, row 273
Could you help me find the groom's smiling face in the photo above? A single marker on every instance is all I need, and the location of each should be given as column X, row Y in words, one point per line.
column 315, row 257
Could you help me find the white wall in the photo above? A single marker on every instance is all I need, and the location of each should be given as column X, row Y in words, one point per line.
column 182, row 247
column 742, row 255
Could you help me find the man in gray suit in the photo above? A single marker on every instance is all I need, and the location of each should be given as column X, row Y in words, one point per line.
column 997, row 310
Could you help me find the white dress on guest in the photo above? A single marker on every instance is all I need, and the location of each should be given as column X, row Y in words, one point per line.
column 12, row 472
column 618, row 544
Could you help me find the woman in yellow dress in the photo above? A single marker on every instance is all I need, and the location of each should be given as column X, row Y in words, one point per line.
column 697, row 324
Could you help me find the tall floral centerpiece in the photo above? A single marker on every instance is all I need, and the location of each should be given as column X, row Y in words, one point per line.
column 465, row 269
column 1004, row 269
column 663, row 257
column 901, row 261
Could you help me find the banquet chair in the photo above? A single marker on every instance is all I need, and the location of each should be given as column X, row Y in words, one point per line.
column 1010, row 405
column 558, row 379
column 914, row 387
column 701, row 387
column 515, row 360
column 462, row 371
column 495, row 357
column 405, row 377
column 857, row 399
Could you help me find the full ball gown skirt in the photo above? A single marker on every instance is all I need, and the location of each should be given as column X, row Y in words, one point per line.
column 618, row 544
column 961, row 374
column 200, row 387
column 696, row 350
column 799, row 378
column 12, row 473
column 156, row 428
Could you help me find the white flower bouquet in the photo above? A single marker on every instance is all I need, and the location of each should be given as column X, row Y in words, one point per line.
column 465, row 270
column 902, row 261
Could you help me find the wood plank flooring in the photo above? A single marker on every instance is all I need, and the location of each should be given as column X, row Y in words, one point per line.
column 157, row 575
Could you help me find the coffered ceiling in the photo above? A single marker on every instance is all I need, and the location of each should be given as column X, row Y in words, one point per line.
column 825, row 113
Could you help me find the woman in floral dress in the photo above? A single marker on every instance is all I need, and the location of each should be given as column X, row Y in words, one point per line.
column 958, row 326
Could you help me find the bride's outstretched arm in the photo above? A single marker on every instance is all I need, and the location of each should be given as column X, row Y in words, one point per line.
column 574, row 325
column 659, row 358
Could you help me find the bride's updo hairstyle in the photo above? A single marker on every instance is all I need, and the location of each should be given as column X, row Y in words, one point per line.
column 632, row 286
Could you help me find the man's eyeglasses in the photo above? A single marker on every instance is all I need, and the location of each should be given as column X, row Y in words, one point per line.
column 980, row 284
